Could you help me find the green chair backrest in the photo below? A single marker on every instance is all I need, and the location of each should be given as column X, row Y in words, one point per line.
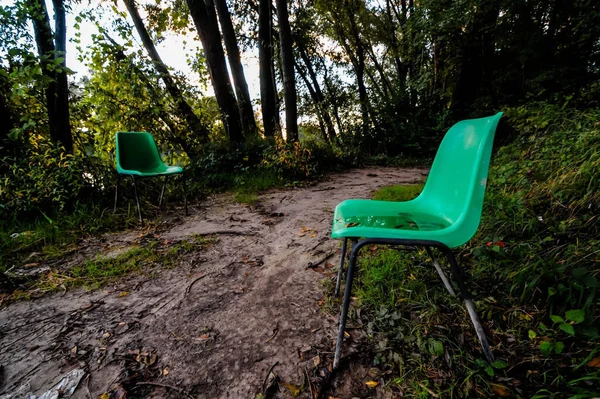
column 456, row 184
column 137, row 151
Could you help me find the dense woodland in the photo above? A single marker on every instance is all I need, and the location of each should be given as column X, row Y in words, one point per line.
column 343, row 83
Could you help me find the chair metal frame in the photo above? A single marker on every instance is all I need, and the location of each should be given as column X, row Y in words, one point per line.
column 160, row 198
column 407, row 244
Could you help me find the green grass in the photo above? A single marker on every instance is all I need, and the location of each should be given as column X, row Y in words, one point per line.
column 398, row 193
column 96, row 273
column 248, row 186
column 47, row 238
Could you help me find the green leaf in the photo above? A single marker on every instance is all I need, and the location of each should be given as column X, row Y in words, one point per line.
column 489, row 371
column 590, row 332
column 499, row 364
column 567, row 328
column 576, row 315
column 532, row 334
column 436, row 347
column 551, row 291
column 546, row 347
column 559, row 347
column 556, row 319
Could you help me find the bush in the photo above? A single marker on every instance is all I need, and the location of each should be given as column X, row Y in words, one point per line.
column 42, row 178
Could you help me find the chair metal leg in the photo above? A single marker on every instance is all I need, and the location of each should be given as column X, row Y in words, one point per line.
column 162, row 192
column 137, row 200
column 441, row 273
column 184, row 193
column 457, row 274
column 346, row 303
column 341, row 269
column 117, row 192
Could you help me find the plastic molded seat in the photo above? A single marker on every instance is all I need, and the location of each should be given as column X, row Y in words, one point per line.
column 449, row 208
column 137, row 154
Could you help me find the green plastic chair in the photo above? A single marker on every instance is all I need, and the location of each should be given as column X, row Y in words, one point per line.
column 445, row 215
column 137, row 156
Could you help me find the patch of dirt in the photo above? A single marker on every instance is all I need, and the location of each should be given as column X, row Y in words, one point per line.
column 213, row 327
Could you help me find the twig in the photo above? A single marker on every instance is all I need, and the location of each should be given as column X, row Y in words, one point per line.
column 275, row 331
column 158, row 384
column 435, row 395
column 227, row 233
column 314, row 265
column 267, row 376
column 324, row 189
column 312, row 393
column 189, row 287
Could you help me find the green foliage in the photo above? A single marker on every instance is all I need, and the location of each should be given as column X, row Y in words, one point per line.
column 44, row 178
column 534, row 267
column 292, row 160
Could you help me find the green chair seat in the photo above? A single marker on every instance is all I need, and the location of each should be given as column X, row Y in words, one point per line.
column 163, row 170
column 383, row 219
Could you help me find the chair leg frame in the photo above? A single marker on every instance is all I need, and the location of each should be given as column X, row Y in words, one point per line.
column 160, row 198
column 137, row 200
column 162, row 191
column 117, row 192
column 456, row 272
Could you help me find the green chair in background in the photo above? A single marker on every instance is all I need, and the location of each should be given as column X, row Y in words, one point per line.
column 445, row 215
column 138, row 156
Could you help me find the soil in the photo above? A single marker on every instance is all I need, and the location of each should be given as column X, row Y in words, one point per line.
column 242, row 318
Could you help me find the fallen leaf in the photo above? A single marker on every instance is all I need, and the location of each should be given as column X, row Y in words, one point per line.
column 105, row 395
column 165, row 371
column 74, row 350
column 313, row 235
column 203, row 337
column 316, row 360
column 151, row 359
column 106, row 335
column 500, row 390
column 294, row 390
column 371, row 384
column 122, row 294
column 595, row 362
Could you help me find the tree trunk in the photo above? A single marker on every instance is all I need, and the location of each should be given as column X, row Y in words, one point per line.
column 57, row 105
column 239, row 79
column 183, row 107
column 319, row 94
column 265, row 55
column 315, row 99
column 6, row 144
column 63, row 124
column 287, row 69
column 208, row 30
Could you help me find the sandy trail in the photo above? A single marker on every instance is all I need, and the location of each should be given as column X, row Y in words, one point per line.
column 253, row 304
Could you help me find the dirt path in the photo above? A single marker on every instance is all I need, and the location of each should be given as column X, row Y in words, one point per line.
column 213, row 326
